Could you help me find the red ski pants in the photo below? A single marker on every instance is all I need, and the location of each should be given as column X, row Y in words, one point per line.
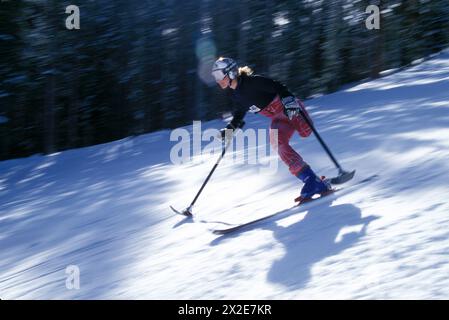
column 285, row 129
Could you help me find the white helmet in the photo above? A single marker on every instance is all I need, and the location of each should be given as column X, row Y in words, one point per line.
column 225, row 67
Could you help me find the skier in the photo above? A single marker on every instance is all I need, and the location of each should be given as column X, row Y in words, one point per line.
column 258, row 94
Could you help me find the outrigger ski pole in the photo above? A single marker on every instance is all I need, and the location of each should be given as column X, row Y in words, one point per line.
column 188, row 211
column 343, row 175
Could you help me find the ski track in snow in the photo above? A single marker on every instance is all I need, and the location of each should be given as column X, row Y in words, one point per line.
column 106, row 210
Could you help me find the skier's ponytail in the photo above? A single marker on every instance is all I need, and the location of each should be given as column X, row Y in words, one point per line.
column 247, row 71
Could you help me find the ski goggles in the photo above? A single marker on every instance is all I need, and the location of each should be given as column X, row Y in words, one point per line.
column 218, row 75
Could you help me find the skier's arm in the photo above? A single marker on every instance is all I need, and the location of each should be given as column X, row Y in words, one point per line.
column 237, row 120
column 238, row 113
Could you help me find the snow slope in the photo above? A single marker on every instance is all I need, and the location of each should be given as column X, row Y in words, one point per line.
column 105, row 210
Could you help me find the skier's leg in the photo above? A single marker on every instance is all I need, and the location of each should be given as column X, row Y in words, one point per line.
column 284, row 132
column 312, row 183
column 300, row 124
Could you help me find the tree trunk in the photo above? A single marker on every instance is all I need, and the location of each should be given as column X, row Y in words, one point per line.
column 74, row 109
column 49, row 118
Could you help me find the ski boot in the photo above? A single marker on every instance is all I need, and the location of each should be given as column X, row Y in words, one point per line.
column 312, row 186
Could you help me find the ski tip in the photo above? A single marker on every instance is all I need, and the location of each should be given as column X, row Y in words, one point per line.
column 370, row 178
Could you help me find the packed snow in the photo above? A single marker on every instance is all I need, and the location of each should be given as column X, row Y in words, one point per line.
column 104, row 210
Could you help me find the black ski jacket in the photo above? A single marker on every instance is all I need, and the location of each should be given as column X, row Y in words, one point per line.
column 254, row 93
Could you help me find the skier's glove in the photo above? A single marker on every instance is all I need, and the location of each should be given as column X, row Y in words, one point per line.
column 226, row 133
column 291, row 107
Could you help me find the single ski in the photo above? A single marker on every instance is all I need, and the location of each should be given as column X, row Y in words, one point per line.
column 301, row 200
column 303, row 205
